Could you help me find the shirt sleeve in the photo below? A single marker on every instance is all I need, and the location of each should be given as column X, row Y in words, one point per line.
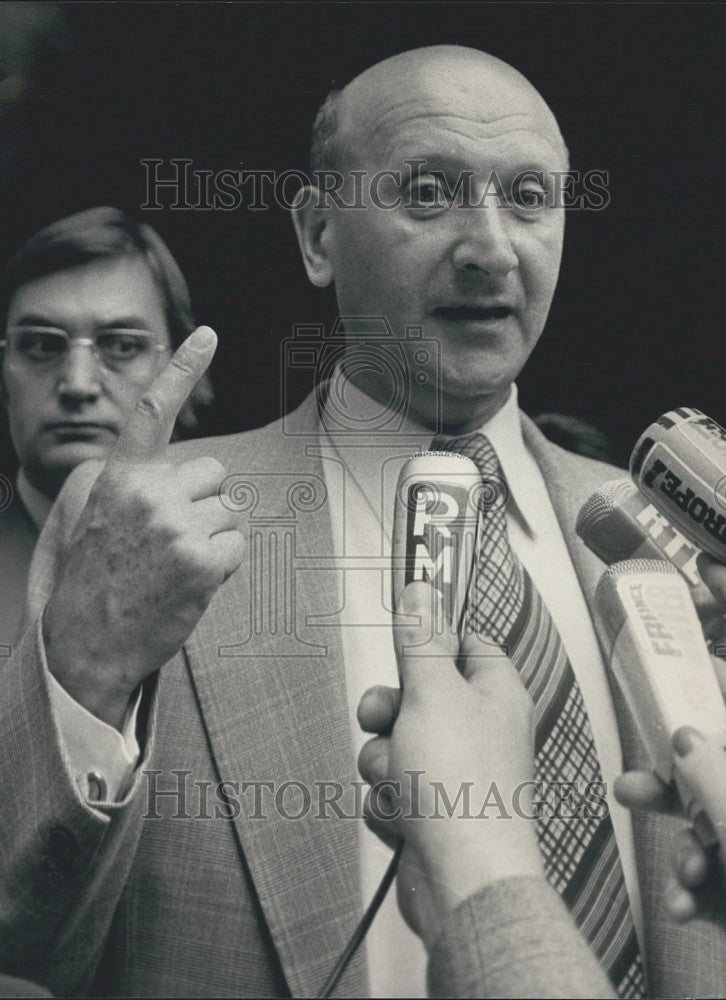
column 101, row 758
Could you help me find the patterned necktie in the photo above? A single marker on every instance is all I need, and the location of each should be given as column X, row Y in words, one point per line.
column 580, row 855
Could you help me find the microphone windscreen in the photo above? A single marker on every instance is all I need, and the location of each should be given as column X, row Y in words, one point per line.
column 610, row 536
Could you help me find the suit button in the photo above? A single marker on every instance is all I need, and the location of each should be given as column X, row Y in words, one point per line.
column 61, row 852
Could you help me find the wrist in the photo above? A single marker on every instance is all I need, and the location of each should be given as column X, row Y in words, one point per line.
column 482, row 856
column 90, row 680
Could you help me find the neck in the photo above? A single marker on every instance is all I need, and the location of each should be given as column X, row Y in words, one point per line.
column 36, row 502
column 464, row 417
column 49, row 489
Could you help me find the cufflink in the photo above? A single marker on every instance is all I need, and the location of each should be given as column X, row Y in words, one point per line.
column 96, row 789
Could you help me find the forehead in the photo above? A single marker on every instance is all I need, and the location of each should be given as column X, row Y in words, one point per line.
column 100, row 291
column 471, row 111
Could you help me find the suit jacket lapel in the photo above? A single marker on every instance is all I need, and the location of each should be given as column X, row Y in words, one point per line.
column 271, row 687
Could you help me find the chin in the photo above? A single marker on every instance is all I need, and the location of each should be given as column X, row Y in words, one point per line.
column 479, row 381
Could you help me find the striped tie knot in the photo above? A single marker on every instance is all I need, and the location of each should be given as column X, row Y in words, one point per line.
column 493, row 491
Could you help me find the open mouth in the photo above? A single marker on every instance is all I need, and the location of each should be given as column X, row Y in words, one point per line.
column 480, row 314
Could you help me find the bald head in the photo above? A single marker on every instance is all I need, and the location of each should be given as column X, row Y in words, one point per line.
column 449, row 81
column 454, row 161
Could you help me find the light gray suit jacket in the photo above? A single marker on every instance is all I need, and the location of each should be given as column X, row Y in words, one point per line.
column 18, row 537
column 245, row 906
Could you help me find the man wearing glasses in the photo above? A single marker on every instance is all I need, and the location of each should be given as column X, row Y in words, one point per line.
column 91, row 308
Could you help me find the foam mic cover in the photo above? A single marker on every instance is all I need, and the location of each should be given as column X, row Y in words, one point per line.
column 435, row 528
column 679, row 463
column 660, row 661
column 618, row 522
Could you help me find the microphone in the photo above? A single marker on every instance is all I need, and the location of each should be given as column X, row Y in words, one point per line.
column 435, row 527
column 435, row 522
column 659, row 659
column 618, row 522
column 679, row 463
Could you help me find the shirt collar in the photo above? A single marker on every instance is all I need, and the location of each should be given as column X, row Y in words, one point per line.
column 36, row 503
column 352, row 422
column 504, row 431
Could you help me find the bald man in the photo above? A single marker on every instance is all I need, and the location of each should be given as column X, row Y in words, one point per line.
column 232, row 610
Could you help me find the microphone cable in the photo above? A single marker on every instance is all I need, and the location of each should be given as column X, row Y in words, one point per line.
column 362, row 929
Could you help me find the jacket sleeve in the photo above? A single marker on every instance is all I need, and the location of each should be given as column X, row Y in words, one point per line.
column 63, row 863
column 514, row 938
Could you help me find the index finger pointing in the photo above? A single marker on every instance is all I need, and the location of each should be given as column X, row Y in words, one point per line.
column 150, row 426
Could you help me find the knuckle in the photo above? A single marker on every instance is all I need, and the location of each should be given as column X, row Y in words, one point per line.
column 150, row 406
column 179, row 364
column 214, row 467
column 229, row 520
column 412, row 636
column 203, row 467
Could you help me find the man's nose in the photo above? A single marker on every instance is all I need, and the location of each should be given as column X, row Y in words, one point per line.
column 484, row 243
column 79, row 377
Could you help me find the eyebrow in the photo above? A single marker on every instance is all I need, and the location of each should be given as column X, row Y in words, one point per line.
column 123, row 322
column 452, row 161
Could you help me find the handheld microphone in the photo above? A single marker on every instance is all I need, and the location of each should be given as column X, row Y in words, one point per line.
column 659, row 659
column 679, row 463
column 435, row 528
column 434, row 539
column 618, row 522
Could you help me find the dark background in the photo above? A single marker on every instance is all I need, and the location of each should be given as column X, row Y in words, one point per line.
column 637, row 323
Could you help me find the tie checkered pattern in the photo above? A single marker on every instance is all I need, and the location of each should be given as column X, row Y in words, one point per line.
column 580, row 854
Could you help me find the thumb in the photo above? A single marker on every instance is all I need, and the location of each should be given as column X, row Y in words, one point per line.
column 484, row 663
column 150, row 427
column 424, row 643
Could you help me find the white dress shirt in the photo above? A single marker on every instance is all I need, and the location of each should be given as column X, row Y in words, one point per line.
column 361, row 474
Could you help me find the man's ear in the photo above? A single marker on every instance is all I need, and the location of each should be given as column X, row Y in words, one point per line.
column 313, row 228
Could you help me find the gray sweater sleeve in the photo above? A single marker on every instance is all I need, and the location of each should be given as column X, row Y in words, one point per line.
column 514, row 938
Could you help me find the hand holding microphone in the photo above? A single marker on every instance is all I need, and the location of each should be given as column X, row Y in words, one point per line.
column 459, row 731
column 443, row 741
column 679, row 465
column 663, row 668
column 697, row 886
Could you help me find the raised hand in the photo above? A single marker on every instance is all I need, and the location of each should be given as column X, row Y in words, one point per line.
column 152, row 547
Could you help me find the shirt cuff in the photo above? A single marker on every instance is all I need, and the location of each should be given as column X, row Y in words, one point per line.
column 101, row 758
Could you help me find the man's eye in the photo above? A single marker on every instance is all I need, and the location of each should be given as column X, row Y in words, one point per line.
column 530, row 196
column 39, row 346
column 121, row 346
column 426, row 192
